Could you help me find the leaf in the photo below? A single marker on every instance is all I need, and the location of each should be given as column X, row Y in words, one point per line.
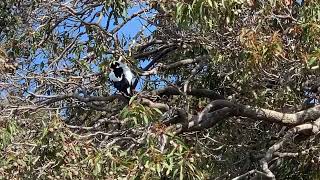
column 125, row 112
column 228, row 20
column 312, row 61
column 201, row 10
column 135, row 120
column 123, row 153
column 210, row 3
column 158, row 110
column 169, row 167
column 97, row 169
column 255, row 95
column 146, row 119
column 174, row 173
column 179, row 11
column 132, row 99
column 190, row 166
column 85, row 65
column 172, row 152
column 216, row 5
column 146, row 165
column 158, row 167
column 181, row 172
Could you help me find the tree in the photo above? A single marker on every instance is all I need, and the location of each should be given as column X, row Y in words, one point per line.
column 221, row 92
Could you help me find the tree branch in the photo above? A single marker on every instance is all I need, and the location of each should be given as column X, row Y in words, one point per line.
column 170, row 90
column 53, row 99
column 161, row 106
column 159, row 56
column 313, row 127
column 219, row 110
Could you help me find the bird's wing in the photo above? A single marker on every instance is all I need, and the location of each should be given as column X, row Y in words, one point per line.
column 128, row 73
column 113, row 77
column 129, row 76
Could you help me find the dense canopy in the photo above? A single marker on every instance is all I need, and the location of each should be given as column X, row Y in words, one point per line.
column 227, row 89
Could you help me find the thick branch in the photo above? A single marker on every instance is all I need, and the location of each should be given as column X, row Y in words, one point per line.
column 268, row 115
column 159, row 56
column 221, row 109
column 148, row 44
column 279, row 117
column 152, row 52
column 182, row 62
column 161, row 106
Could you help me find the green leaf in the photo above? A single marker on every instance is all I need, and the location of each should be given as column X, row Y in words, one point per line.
column 210, row 3
column 191, row 166
column 179, row 11
column 132, row 99
column 125, row 112
column 201, row 10
column 216, row 5
column 97, row 169
column 228, row 20
column 181, row 171
column 158, row 169
column 158, row 110
column 146, row 119
column 135, row 120
column 174, row 173
column 146, row 165
column 312, row 61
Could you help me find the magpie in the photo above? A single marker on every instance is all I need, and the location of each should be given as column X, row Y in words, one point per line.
column 122, row 77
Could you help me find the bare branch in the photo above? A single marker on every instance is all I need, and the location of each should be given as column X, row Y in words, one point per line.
column 254, row 171
column 159, row 56
column 161, row 106
column 116, row 29
column 313, row 127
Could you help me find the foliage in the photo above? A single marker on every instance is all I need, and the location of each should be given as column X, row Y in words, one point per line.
column 140, row 114
column 210, row 13
column 53, row 151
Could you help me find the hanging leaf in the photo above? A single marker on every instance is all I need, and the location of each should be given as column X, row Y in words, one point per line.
column 210, row 3
column 132, row 99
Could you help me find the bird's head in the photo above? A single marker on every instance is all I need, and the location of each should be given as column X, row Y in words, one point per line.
column 113, row 65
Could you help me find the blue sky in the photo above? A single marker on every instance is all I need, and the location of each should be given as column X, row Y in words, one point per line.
column 135, row 25
column 129, row 30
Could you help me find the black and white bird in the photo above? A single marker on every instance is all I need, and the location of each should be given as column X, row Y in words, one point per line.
column 122, row 77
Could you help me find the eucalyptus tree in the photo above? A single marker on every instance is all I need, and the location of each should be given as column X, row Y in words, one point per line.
column 222, row 91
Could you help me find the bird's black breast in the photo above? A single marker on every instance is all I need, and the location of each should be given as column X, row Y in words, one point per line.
column 122, row 85
column 118, row 72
